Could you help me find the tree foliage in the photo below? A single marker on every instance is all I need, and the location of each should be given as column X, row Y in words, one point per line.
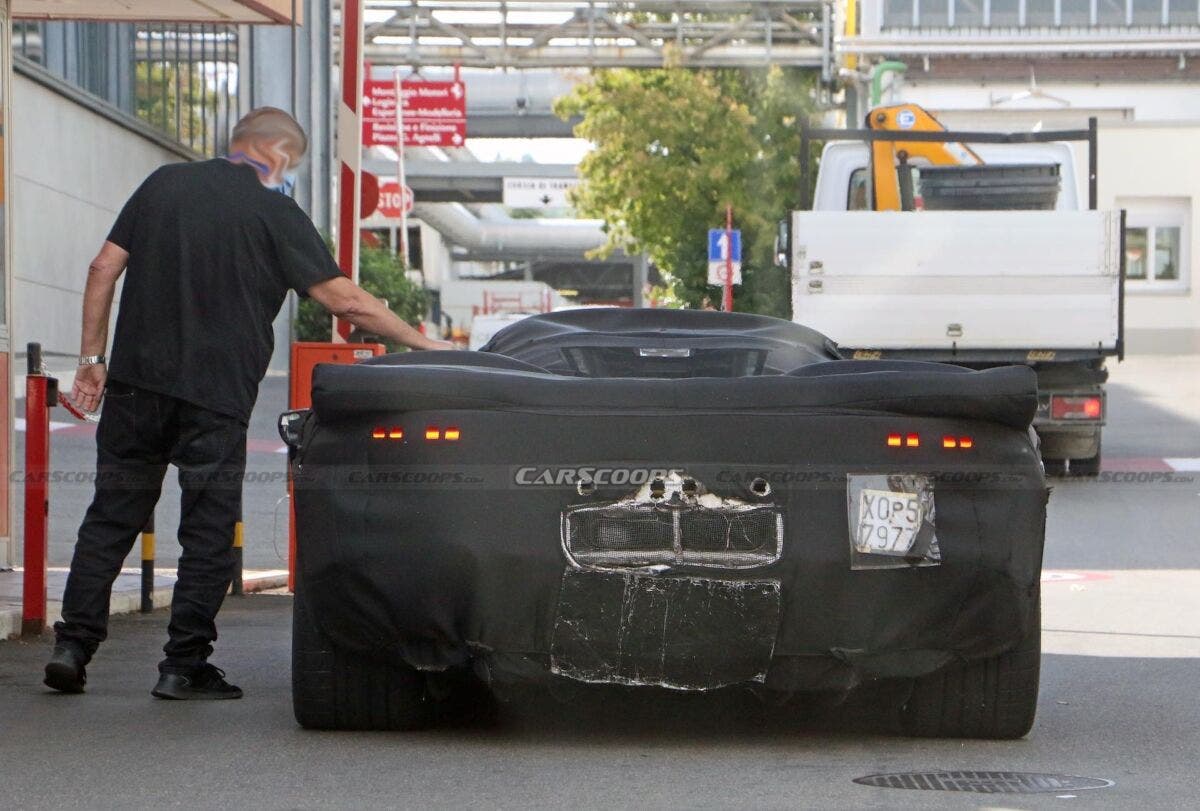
column 672, row 148
column 170, row 95
column 380, row 273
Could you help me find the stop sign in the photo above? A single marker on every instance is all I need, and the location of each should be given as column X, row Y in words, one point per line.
column 394, row 201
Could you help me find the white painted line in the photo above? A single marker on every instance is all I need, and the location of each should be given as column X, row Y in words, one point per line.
column 19, row 424
column 1184, row 464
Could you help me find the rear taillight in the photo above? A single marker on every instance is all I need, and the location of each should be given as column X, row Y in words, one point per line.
column 394, row 432
column 1075, row 408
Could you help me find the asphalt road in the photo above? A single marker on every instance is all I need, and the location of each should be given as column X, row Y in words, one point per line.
column 1121, row 636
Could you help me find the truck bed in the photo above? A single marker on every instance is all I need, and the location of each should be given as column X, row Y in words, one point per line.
column 960, row 281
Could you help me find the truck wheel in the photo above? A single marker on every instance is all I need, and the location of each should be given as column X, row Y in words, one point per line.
column 333, row 689
column 1055, row 467
column 991, row 698
column 1086, row 467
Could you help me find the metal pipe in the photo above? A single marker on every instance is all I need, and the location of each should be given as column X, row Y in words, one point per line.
column 1093, row 163
column 877, row 74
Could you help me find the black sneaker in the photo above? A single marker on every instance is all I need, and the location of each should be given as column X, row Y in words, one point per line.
column 65, row 671
column 206, row 682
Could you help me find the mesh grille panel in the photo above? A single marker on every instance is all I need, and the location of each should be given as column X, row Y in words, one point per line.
column 640, row 534
column 729, row 531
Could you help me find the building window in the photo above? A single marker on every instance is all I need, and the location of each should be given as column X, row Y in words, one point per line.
column 897, row 13
column 180, row 79
column 968, row 13
column 1147, row 12
column 1006, row 13
column 1183, row 12
column 1040, row 13
column 1076, row 13
column 935, row 14
column 1156, row 243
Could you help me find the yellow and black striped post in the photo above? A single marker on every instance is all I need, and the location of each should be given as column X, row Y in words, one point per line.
column 148, row 565
column 238, row 541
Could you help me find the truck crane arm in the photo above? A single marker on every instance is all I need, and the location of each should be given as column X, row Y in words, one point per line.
column 890, row 158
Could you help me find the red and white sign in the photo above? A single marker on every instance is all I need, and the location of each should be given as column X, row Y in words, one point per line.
column 435, row 113
column 394, row 200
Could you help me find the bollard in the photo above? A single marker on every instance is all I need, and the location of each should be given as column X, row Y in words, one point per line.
column 148, row 565
column 238, row 556
column 40, row 394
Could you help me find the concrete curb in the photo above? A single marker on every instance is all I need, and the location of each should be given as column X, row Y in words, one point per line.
column 130, row 602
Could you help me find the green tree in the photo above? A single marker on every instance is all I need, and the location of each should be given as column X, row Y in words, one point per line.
column 672, row 148
column 380, row 273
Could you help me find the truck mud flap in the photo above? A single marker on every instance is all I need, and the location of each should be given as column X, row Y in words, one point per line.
column 683, row 633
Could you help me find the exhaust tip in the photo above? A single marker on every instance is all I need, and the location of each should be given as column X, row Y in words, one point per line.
column 760, row 487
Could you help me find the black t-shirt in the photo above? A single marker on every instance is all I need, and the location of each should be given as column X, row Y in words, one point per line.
column 212, row 254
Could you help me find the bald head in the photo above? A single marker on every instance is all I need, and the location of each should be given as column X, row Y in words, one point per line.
column 269, row 131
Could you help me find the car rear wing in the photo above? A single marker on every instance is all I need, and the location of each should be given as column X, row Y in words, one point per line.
column 1006, row 395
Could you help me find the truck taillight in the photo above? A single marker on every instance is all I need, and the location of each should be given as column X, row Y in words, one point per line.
column 394, row 432
column 1075, row 408
column 964, row 442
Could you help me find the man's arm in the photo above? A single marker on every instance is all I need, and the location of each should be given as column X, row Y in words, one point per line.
column 103, row 273
column 346, row 300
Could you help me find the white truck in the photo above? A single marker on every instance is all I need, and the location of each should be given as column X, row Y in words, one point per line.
column 977, row 288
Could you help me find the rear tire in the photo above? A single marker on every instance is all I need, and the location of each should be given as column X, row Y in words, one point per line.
column 990, row 698
column 1055, row 467
column 1087, row 467
column 334, row 689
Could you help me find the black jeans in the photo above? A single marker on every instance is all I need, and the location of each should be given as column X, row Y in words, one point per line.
column 140, row 433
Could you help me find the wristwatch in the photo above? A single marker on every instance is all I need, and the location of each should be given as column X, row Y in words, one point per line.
column 91, row 360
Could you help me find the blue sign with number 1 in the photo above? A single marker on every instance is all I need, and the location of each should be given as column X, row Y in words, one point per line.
column 718, row 245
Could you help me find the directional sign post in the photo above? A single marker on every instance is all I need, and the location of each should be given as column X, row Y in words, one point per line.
column 538, row 192
column 434, row 113
column 725, row 259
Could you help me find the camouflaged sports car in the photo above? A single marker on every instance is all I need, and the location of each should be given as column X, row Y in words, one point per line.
column 675, row 500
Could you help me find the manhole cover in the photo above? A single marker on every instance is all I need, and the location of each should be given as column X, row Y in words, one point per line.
column 984, row 782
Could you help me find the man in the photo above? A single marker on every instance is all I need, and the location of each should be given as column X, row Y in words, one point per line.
column 212, row 249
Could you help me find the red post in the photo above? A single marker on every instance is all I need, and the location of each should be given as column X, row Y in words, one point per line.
column 37, row 501
column 349, row 145
column 727, row 300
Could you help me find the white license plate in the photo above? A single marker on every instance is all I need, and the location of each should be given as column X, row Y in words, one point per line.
column 887, row 522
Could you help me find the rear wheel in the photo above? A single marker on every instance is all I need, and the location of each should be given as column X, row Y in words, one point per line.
column 1055, row 467
column 333, row 689
column 1087, row 467
column 991, row 698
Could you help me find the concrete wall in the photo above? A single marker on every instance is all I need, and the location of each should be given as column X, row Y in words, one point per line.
column 72, row 170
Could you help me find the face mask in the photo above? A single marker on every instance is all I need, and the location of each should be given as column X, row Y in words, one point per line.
column 285, row 186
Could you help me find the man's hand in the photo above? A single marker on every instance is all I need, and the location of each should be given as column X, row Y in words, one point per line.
column 89, row 386
column 439, row 345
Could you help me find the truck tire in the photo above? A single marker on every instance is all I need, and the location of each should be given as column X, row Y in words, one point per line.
column 1087, row 467
column 991, row 698
column 1055, row 467
column 334, row 689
